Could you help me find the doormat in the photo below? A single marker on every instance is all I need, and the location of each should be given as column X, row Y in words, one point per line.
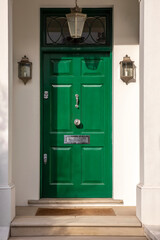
column 75, row 212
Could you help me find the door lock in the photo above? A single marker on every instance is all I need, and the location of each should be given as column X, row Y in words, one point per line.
column 77, row 122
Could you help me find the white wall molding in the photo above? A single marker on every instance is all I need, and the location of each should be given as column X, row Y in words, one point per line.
column 152, row 232
column 7, row 187
column 7, row 204
column 4, row 233
column 148, row 204
column 148, row 187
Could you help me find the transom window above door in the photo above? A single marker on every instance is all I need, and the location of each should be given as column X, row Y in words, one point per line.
column 94, row 31
column 97, row 28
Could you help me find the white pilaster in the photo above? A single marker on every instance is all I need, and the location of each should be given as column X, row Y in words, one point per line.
column 7, row 193
column 148, row 191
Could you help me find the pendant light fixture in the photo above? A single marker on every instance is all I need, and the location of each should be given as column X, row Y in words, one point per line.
column 76, row 20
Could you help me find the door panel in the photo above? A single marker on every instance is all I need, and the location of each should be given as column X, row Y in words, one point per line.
column 60, row 94
column 77, row 170
column 92, row 166
column 93, row 107
column 92, row 67
column 61, row 67
column 60, row 165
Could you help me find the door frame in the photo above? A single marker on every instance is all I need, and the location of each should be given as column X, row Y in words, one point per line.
column 71, row 49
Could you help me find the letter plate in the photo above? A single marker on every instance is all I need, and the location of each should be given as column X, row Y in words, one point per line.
column 76, row 139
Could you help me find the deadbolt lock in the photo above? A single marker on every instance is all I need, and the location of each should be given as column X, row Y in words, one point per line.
column 77, row 122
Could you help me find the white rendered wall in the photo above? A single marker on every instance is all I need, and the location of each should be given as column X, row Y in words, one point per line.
column 7, row 190
column 26, row 146
column 148, row 191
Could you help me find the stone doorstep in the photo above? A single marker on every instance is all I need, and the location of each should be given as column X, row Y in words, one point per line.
column 72, row 221
column 76, row 231
column 75, row 201
column 76, row 226
column 78, row 238
column 125, row 225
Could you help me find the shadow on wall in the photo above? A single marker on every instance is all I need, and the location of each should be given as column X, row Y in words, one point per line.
column 126, row 22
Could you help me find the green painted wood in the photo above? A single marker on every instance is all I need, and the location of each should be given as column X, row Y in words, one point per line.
column 77, row 170
column 79, row 49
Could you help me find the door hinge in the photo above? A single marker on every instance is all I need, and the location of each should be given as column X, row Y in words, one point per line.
column 45, row 94
column 45, row 158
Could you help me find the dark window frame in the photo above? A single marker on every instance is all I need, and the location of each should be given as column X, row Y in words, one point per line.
column 91, row 12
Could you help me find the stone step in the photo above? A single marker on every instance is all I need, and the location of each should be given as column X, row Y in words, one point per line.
column 78, row 238
column 72, row 221
column 75, row 202
column 77, row 226
column 76, row 231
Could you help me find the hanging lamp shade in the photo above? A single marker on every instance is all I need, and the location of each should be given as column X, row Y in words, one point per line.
column 76, row 20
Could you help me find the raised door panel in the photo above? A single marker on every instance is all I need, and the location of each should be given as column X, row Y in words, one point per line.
column 60, row 107
column 61, row 168
column 93, row 107
column 92, row 166
column 92, row 67
column 61, row 67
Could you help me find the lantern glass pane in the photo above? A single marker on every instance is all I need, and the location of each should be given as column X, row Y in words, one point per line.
column 71, row 24
column 76, row 24
column 80, row 25
column 128, row 69
column 25, row 71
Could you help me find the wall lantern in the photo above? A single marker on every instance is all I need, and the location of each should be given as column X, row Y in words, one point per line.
column 127, row 70
column 76, row 20
column 25, row 69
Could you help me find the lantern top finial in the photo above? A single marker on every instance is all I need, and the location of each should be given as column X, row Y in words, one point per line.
column 25, row 59
column 127, row 59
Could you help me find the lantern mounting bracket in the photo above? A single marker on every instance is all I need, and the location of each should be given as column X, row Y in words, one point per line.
column 76, row 9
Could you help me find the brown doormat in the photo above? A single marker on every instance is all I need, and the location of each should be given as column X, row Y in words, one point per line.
column 75, row 212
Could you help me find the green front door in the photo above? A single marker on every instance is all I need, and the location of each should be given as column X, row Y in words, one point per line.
column 77, row 159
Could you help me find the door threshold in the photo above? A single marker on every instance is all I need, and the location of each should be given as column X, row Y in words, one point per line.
column 69, row 202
